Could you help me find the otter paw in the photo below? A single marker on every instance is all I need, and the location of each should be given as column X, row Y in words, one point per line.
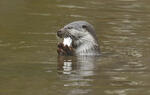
column 64, row 50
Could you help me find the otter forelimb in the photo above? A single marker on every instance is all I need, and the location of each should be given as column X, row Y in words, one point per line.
column 65, row 50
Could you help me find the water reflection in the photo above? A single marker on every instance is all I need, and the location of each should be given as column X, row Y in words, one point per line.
column 65, row 65
column 79, row 71
column 71, row 6
column 82, row 73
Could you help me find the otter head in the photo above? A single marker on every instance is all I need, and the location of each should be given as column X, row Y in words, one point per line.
column 82, row 34
column 77, row 30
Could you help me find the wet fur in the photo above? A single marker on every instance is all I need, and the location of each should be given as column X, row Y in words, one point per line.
column 84, row 38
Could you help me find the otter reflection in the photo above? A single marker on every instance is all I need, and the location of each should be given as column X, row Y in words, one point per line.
column 78, row 73
column 83, row 65
column 66, row 64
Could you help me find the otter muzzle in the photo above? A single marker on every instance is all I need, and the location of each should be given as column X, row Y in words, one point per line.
column 59, row 34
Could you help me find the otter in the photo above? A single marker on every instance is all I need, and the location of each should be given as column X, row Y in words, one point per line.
column 81, row 37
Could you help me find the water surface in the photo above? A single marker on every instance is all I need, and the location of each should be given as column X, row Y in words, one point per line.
column 29, row 64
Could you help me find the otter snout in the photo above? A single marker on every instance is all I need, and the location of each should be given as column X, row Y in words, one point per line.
column 59, row 33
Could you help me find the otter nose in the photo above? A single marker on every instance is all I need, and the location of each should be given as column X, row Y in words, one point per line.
column 59, row 34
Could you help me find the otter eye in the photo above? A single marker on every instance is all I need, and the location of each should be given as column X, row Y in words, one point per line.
column 84, row 26
column 70, row 27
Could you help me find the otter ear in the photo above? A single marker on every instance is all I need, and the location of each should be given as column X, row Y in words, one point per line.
column 84, row 26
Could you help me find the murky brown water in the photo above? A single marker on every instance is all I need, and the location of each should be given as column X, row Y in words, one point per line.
column 28, row 60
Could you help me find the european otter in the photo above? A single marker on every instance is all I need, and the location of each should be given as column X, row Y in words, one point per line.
column 82, row 37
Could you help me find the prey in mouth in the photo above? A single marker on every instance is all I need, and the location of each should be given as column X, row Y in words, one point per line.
column 79, row 38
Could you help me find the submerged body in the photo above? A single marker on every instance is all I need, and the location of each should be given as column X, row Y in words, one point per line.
column 82, row 37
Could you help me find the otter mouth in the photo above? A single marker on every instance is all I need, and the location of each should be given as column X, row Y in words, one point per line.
column 66, row 39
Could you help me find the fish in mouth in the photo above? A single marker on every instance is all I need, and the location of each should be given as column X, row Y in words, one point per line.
column 79, row 38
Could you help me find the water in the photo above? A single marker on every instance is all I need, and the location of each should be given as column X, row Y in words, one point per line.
column 29, row 64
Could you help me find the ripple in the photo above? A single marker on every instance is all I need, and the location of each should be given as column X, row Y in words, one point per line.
column 118, row 92
column 132, row 6
column 77, row 84
column 36, row 33
column 4, row 44
column 119, row 78
column 95, row 3
column 78, row 16
column 79, row 91
column 49, row 71
column 71, row 6
column 40, row 14
column 135, row 53
column 127, row 0
column 24, row 47
column 134, row 83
